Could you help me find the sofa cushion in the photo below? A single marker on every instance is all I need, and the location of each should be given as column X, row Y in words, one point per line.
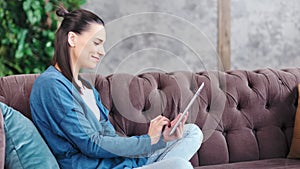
column 276, row 163
column 24, row 148
column 257, row 111
column 15, row 91
column 295, row 147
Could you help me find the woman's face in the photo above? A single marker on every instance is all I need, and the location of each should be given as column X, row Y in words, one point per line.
column 88, row 47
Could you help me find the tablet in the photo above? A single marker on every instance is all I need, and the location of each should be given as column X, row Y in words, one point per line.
column 187, row 108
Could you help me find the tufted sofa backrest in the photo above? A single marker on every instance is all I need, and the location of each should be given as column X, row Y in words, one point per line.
column 15, row 91
column 244, row 115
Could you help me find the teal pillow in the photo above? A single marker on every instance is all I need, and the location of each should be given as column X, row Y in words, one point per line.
column 25, row 148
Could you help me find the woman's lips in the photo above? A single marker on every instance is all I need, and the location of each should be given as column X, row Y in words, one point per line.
column 96, row 58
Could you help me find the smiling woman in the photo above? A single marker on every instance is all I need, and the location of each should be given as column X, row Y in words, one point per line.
column 84, row 42
column 86, row 48
column 68, row 111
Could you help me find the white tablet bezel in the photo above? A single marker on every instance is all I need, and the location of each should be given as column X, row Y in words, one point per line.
column 186, row 109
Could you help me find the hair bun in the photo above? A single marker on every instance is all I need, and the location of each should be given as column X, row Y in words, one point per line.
column 61, row 11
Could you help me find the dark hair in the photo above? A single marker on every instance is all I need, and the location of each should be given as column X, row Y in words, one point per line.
column 76, row 21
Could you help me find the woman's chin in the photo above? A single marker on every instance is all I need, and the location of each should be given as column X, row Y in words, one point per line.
column 90, row 67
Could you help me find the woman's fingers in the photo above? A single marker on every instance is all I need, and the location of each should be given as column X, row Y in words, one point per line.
column 157, row 124
column 179, row 130
column 160, row 121
column 157, row 118
column 155, row 128
column 185, row 117
column 177, row 118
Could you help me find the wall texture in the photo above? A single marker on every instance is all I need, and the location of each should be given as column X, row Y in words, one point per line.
column 265, row 34
column 157, row 35
column 182, row 35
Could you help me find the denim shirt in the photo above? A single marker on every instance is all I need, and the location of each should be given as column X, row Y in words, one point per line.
column 73, row 133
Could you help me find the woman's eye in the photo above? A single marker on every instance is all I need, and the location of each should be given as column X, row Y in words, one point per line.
column 96, row 43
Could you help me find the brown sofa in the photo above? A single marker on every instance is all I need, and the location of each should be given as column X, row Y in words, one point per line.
column 247, row 117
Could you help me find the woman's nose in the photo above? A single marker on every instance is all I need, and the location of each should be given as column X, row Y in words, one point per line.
column 101, row 51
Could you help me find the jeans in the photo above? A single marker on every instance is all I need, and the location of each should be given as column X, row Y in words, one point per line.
column 177, row 153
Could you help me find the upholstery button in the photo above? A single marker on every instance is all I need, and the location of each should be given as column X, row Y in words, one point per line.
column 238, row 107
column 267, row 106
column 250, row 85
column 208, row 108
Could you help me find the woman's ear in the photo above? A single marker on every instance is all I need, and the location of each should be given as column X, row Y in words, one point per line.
column 72, row 39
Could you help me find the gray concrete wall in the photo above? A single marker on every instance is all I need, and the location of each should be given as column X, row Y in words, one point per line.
column 265, row 34
column 157, row 35
column 171, row 35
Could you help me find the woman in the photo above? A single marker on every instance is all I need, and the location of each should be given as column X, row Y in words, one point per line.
column 69, row 114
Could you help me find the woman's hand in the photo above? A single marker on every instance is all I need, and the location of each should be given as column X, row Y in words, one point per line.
column 179, row 131
column 155, row 128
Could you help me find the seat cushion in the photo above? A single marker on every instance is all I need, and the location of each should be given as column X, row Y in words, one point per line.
column 276, row 163
column 25, row 147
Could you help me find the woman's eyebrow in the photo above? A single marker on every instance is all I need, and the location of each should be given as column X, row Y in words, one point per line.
column 101, row 40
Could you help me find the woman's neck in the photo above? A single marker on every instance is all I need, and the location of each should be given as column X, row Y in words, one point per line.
column 75, row 68
column 75, row 73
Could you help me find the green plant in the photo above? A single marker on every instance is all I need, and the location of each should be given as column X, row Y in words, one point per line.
column 27, row 34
